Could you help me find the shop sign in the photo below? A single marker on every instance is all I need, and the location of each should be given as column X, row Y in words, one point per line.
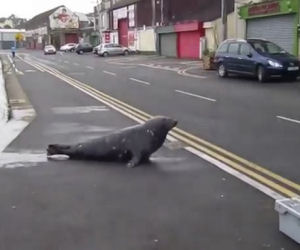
column 106, row 37
column 264, row 8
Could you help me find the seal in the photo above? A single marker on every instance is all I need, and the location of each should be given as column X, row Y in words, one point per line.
column 132, row 145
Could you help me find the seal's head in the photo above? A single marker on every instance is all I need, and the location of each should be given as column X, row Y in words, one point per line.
column 162, row 123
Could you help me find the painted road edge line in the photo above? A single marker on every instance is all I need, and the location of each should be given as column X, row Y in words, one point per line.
column 288, row 119
column 195, row 95
column 140, row 81
column 266, row 190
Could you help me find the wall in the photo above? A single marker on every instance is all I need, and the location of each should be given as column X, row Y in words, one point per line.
column 177, row 11
column 236, row 27
column 114, row 37
column 146, row 40
column 213, row 34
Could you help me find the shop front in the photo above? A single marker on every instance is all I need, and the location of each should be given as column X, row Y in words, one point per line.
column 276, row 21
column 182, row 40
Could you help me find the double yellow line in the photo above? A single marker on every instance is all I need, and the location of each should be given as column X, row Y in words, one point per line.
column 258, row 173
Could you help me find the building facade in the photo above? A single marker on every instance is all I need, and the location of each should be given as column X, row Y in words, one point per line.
column 56, row 26
column 102, row 20
column 170, row 28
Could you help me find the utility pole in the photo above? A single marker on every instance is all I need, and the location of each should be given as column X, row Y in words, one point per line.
column 224, row 19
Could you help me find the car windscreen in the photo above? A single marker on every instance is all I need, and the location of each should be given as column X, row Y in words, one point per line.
column 264, row 47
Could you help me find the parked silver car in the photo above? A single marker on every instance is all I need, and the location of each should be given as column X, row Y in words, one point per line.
column 49, row 49
column 106, row 49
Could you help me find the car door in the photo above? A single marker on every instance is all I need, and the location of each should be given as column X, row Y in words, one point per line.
column 232, row 57
column 86, row 47
column 246, row 63
column 109, row 48
column 119, row 49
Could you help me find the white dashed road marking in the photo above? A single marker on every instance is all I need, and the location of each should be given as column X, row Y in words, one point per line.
column 194, row 95
column 109, row 73
column 89, row 67
column 140, row 81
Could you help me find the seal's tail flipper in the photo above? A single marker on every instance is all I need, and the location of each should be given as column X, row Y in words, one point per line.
column 56, row 149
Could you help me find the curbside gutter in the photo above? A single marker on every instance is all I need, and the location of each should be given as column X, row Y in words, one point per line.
column 4, row 106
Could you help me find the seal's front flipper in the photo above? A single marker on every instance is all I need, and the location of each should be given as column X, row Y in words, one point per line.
column 136, row 160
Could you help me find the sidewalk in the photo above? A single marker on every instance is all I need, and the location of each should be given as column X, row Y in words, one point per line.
column 4, row 108
column 19, row 112
column 177, row 202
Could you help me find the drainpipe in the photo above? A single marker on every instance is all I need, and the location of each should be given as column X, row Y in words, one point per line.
column 153, row 12
column 161, row 12
column 224, row 19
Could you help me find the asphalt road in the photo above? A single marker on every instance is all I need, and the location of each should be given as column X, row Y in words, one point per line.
column 179, row 201
column 237, row 114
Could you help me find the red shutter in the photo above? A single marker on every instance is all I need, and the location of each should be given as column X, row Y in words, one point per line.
column 189, row 44
column 123, row 32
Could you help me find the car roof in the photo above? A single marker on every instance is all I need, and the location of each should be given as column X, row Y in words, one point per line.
column 235, row 40
column 256, row 39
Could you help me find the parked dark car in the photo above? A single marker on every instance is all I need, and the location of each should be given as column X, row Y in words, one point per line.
column 83, row 47
column 256, row 57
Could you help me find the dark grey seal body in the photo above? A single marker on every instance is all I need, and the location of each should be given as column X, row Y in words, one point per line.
column 133, row 145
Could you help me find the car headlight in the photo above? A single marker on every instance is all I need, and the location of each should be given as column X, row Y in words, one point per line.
column 275, row 64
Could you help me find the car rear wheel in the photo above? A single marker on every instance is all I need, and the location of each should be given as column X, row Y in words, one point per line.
column 105, row 54
column 222, row 71
column 261, row 74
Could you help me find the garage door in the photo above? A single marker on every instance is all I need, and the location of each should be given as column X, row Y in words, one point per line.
column 168, row 44
column 189, row 44
column 123, row 32
column 277, row 29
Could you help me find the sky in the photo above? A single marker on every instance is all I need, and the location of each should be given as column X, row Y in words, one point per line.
column 30, row 8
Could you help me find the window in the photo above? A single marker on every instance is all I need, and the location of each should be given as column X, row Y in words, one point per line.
column 233, row 48
column 245, row 49
column 223, row 48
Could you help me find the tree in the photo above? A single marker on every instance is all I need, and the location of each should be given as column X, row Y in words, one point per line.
column 7, row 26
